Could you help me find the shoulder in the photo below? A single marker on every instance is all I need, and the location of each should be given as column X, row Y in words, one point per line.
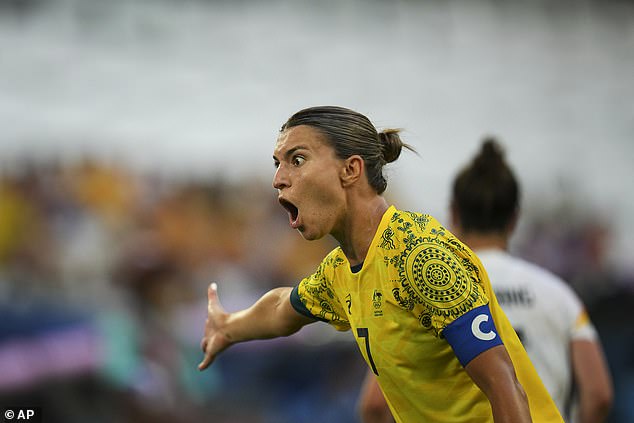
column 421, row 220
column 409, row 233
column 325, row 269
column 335, row 258
column 436, row 270
column 408, row 224
column 500, row 264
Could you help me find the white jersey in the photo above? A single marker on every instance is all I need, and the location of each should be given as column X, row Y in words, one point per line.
column 546, row 314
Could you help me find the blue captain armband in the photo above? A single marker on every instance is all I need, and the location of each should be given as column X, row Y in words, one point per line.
column 472, row 333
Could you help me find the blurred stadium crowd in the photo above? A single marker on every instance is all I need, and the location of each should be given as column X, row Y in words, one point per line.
column 103, row 277
column 103, row 274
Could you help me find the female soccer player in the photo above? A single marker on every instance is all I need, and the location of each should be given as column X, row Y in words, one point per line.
column 417, row 300
column 548, row 316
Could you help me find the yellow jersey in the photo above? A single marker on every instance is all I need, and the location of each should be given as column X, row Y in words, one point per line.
column 421, row 307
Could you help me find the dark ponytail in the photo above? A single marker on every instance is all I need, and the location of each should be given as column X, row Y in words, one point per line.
column 486, row 192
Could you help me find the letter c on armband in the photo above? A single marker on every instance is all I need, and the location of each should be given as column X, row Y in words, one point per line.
column 477, row 332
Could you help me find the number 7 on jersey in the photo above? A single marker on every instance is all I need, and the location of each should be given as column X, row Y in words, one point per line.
column 364, row 333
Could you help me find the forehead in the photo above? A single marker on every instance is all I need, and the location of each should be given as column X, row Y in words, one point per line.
column 303, row 136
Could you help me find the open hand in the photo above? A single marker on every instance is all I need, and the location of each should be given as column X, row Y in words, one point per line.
column 214, row 340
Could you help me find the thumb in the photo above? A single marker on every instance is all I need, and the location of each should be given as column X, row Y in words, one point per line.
column 213, row 302
column 212, row 292
column 212, row 295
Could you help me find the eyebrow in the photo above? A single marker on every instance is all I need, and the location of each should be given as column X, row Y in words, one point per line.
column 292, row 151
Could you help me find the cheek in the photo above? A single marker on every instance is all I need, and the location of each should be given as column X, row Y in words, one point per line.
column 328, row 190
column 328, row 202
column 324, row 193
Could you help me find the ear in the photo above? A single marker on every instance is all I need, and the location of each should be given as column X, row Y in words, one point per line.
column 352, row 170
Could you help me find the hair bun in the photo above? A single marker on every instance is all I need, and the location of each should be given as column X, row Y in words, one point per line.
column 491, row 155
column 392, row 145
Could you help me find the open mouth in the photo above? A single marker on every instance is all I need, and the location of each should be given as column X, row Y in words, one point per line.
column 291, row 209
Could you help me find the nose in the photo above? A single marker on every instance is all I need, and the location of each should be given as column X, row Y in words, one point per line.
column 280, row 179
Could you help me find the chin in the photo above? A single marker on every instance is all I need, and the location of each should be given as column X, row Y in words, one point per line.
column 308, row 236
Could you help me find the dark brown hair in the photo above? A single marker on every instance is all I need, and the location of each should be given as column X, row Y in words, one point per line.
column 350, row 133
column 486, row 192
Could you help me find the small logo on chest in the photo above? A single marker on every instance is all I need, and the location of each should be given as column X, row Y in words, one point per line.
column 377, row 303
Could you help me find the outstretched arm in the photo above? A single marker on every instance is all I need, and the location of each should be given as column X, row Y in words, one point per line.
column 494, row 374
column 270, row 317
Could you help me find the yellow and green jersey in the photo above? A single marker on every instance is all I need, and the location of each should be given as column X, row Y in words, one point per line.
column 421, row 307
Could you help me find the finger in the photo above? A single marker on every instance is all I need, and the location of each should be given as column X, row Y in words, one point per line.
column 212, row 292
column 207, row 360
column 213, row 304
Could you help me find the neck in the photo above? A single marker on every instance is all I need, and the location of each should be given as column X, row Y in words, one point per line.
column 481, row 241
column 360, row 224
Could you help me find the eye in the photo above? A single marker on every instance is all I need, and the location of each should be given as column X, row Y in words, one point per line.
column 276, row 164
column 298, row 160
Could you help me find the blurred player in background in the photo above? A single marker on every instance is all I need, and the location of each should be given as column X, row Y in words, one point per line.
column 548, row 316
column 416, row 298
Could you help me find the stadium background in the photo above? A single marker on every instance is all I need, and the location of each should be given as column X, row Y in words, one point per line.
column 135, row 168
